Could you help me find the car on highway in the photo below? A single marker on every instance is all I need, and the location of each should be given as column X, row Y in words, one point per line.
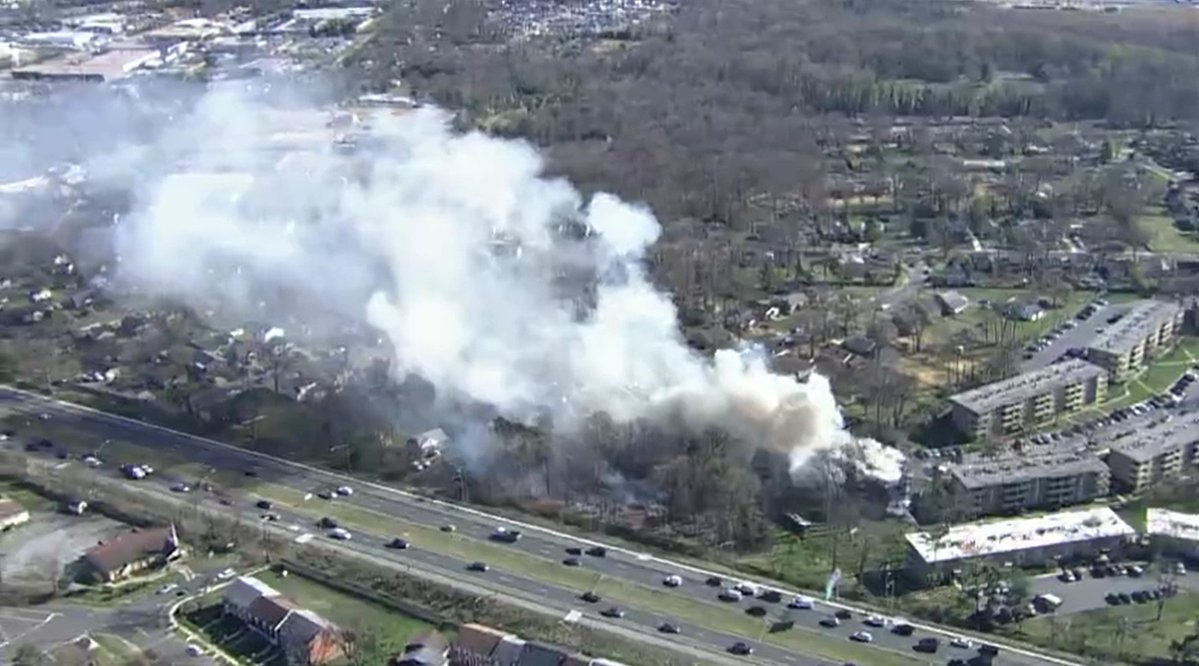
column 481, row 567
column 928, row 645
column 327, row 523
column 714, row 581
column 270, row 517
column 168, row 588
column 571, row 561
column 326, row 494
column 800, row 603
column 756, row 611
column 194, row 650
column 747, row 589
column 843, row 614
column 574, row 550
column 612, row 612
column 344, row 491
column 730, row 594
column 771, row 596
column 668, row 628
column 448, row 528
column 597, row 551
column 252, row 473
column 590, row 597
column 91, row 460
column 673, row 580
column 263, row 504
column 830, row 622
column 340, row 533
column 181, row 488
column 902, row 628
column 741, row 649
column 43, row 417
column 861, row 637
column 505, row 535
column 226, row 574
column 874, row 621
column 961, row 642
column 397, row 544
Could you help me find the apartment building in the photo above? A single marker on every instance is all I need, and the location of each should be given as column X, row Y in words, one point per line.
column 1123, row 348
column 1028, row 400
column 1162, row 450
column 1029, row 478
column 1172, row 533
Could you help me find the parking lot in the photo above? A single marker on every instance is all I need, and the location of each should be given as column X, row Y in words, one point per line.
column 1074, row 333
column 1090, row 592
column 39, row 549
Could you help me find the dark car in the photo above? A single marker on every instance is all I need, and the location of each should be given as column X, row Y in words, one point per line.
column 956, row 661
column 756, row 611
column 830, row 622
column 771, row 596
column 714, row 581
column 741, row 649
column 1112, row 598
column 325, row 494
column 1124, row 598
column 45, row 444
column 929, row 645
column 63, row 455
column 988, row 650
column 574, row 550
column 252, row 473
column 264, row 505
column 597, row 551
column 398, row 544
column 668, row 628
column 843, row 614
column 612, row 612
column 327, row 523
column 478, row 566
column 903, row 629
column 571, row 561
column 590, row 597
column 31, row 447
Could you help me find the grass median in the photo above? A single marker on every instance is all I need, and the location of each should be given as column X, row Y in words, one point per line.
column 710, row 615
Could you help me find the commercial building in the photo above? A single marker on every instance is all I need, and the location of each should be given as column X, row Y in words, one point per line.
column 1065, row 535
column 133, row 552
column 1172, row 533
column 305, row 638
column 110, row 65
column 1146, row 328
column 1024, row 479
column 1161, row 450
column 1028, row 400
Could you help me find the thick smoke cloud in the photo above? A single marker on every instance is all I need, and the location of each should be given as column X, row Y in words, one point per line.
column 493, row 282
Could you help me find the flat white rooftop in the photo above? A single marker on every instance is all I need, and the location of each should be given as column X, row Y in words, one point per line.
column 1160, row 522
column 984, row 539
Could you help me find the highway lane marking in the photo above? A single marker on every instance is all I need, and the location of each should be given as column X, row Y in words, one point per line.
column 452, row 508
column 44, row 622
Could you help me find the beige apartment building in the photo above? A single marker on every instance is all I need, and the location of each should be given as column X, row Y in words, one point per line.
column 1029, row 478
column 1028, row 400
column 1144, row 330
column 1145, row 456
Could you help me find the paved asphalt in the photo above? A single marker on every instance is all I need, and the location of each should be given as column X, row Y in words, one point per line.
column 620, row 564
column 1091, row 593
column 1079, row 336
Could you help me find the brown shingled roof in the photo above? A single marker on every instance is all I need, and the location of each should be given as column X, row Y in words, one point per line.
column 127, row 548
column 271, row 611
column 478, row 639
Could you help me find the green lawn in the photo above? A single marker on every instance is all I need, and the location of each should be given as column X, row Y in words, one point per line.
column 1164, row 236
column 807, row 562
column 25, row 496
column 1155, row 379
column 348, row 611
column 1129, row 634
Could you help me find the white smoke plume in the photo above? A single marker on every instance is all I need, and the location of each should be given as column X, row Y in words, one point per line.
column 458, row 250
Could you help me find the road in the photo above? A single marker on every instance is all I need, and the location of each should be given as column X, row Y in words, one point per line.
column 1079, row 336
column 621, row 564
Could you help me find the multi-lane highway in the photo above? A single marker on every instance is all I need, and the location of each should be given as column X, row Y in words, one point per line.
column 637, row 570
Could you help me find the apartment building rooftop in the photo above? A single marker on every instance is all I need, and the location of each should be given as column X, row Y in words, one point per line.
column 1145, row 444
column 1024, row 386
column 1141, row 320
column 1027, row 463
column 982, row 539
column 1161, row 522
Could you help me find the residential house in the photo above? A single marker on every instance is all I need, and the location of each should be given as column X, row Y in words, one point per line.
column 540, row 654
column 475, row 645
column 12, row 514
column 1024, row 311
column 429, row 649
column 305, row 638
column 952, row 302
column 132, row 552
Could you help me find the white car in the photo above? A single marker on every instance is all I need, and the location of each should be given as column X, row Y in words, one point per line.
column 339, row 533
column 801, row 602
column 874, row 621
column 226, row 574
column 181, row 488
column 194, row 650
column 43, row 417
column 673, row 580
column 730, row 594
column 861, row 637
column 961, row 642
column 345, row 491
column 91, row 461
column 747, row 589
column 168, row 588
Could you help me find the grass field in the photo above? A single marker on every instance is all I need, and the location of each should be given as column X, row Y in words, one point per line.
column 347, row 611
column 1164, row 236
column 1154, row 380
column 1129, row 634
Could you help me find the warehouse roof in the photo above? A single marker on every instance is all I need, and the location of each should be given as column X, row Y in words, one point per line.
column 1160, row 522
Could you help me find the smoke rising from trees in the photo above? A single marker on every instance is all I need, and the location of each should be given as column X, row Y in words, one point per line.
column 495, row 283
